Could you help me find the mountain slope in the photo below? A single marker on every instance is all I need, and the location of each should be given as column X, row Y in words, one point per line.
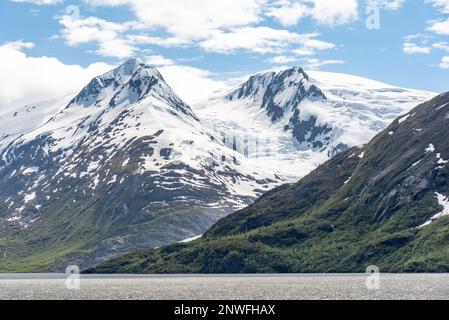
column 301, row 118
column 385, row 205
column 16, row 123
column 126, row 164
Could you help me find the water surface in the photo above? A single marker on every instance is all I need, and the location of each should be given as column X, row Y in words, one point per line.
column 229, row 287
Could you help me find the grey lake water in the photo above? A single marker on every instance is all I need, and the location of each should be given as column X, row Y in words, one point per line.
column 229, row 287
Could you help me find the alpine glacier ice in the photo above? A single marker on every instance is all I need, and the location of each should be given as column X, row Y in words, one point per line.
column 299, row 119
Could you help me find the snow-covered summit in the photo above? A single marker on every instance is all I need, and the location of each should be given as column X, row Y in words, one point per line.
column 127, row 84
column 306, row 117
column 277, row 92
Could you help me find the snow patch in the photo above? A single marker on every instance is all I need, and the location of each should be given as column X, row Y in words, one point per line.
column 30, row 170
column 441, row 107
column 29, row 197
column 191, row 239
column 430, row 148
column 441, row 160
column 403, row 119
column 416, row 163
column 442, row 201
column 113, row 180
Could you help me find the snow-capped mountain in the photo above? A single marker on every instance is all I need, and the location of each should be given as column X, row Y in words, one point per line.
column 125, row 164
column 298, row 120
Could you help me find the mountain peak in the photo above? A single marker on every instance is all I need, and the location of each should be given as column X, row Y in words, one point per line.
column 133, row 62
column 296, row 70
column 133, row 67
column 129, row 66
column 258, row 85
column 278, row 91
column 131, row 77
column 131, row 82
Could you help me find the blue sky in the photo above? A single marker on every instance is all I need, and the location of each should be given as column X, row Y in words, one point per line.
column 406, row 42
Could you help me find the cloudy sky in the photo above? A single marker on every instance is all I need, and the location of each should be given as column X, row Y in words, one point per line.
column 51, row 48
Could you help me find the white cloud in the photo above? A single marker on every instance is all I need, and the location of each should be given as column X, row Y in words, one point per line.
column 426, row 40
column 314, row 63
column 444, row 63
column 191, row 84
column 18, row 45
column 191, row 59
column 417, row 36
column 108, row 35
column 334, row 12
column 324, row 12
column 40, row 2
column 440, row 27
column 288, row 13
column 386, row 4
column 163, row 42
column 158, row 60
column 222, row 26
column 441, row 46
column 25, row 79
column 257, row 39
column 304, row 52
column 412, row 48
column 193, row 19
column 317, row 45
column 311, row 46
column 281, row 60
column 441, row 5
column 111, row 3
